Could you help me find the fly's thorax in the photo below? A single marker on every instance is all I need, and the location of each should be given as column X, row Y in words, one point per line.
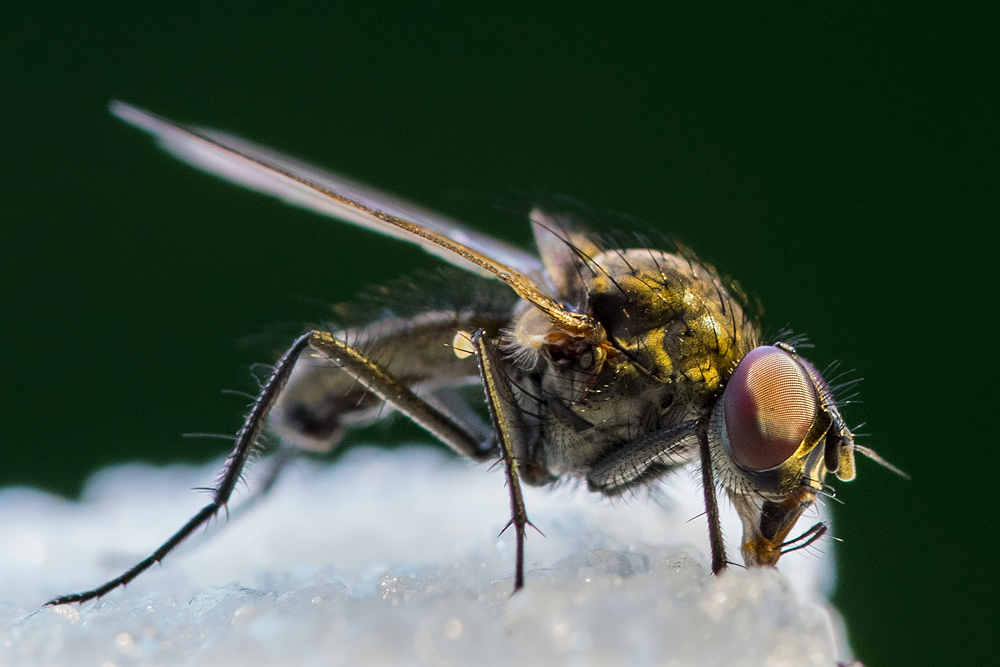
column 575, row 407
column 615, row 406
column 677, row 333
column 673, row 317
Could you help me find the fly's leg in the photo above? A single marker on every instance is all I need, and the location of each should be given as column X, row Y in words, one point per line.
column 274, row 466
column 245, row 440
column 272, row 469
column 511, row 437
column 638, row 462
column 387, row 387
column 711, row 505
column 641, row 461
column 448, row 401
column 369, row 374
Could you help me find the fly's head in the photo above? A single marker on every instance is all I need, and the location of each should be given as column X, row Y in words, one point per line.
column 775, row 433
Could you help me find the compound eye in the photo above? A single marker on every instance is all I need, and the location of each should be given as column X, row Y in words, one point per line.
column 769, row 406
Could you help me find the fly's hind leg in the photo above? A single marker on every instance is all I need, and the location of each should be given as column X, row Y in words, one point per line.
column 366, row 372
column 383, row 384
column 245, row 440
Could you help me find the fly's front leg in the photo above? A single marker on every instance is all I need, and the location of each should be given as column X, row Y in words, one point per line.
column 369, row 374
column 511, row 436
column 715, row 540
column 639, row 462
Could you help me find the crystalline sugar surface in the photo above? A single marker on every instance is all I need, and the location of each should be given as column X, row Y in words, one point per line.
column 391, row 557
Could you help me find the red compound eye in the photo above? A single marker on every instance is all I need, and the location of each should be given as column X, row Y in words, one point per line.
column 769, row 405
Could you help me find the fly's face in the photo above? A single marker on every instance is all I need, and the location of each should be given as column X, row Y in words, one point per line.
column 774, row 434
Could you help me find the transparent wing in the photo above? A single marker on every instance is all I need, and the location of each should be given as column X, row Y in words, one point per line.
column 264, row 170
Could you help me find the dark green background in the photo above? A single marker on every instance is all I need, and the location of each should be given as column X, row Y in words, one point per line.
column 839, row 160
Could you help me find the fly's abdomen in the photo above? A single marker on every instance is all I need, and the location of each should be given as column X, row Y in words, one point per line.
column 320, row 400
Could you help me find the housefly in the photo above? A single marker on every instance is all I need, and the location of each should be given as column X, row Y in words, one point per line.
column 607, row 364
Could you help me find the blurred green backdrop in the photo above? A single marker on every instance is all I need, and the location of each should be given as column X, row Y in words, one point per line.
column 840, row 160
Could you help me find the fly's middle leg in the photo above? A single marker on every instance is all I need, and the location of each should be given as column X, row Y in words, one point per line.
column 511, row 436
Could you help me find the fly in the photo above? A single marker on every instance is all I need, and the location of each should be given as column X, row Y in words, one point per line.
column 614, row 366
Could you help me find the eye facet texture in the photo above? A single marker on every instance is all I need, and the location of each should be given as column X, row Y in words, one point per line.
column 769, row 405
